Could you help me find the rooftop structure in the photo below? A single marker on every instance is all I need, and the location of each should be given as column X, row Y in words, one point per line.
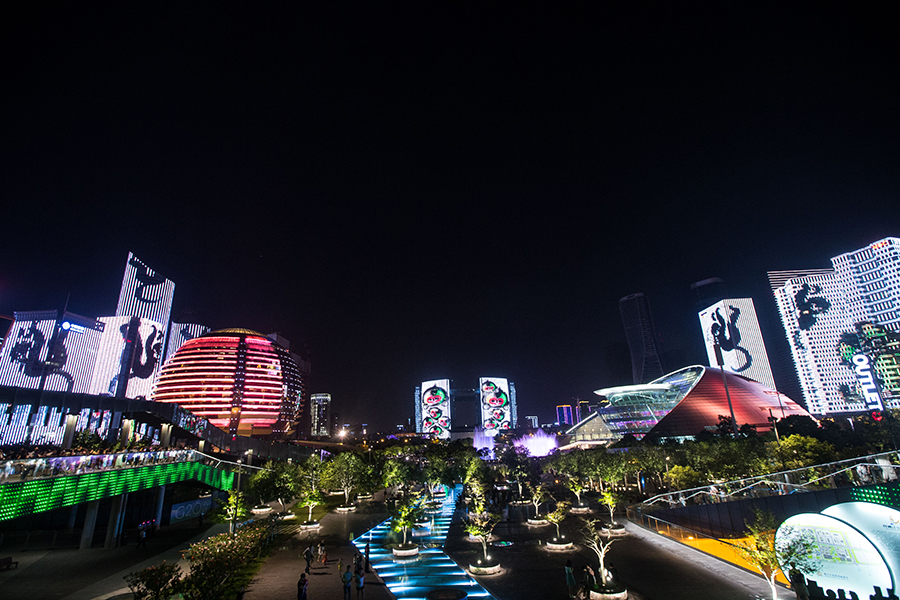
column 687, row 401
column 642, row 343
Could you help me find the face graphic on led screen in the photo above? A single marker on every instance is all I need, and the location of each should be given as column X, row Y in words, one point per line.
column 436, row 407
column 496, row 412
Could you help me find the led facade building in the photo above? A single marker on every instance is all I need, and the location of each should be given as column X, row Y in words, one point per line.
column 641, row 336
column 237, row 378
column 145, row 293
column 320, row 415
column 496, row 402
column 433, row 408
column 179, row 333
column 841, row 325
column 691, row 400
column 731, row 325
column 564, row 414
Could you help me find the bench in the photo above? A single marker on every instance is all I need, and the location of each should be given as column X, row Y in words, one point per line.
column 8, row 562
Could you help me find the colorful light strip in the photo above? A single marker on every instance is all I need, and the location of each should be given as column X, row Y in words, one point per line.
column 18, row 499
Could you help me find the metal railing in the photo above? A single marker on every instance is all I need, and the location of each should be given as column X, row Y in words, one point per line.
column 61, row 466
column 863, row 470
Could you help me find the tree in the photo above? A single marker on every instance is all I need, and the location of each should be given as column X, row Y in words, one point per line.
column 683, row 477
column 408, row 512
column 233, row 509
column 275, row 481
column 794, row 550
column 593, row 538
column 312, row 472
column 480, row 526
column 610, row 467
column 518, row 464
column 610, row 499
column 395, row 473
column 310, row 499
column 539, row 493
column 344, row 473
column 798, row 451
column 559, row 514
column 575, row 486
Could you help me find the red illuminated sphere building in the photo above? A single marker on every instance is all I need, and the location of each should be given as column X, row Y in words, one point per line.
column 239, row 379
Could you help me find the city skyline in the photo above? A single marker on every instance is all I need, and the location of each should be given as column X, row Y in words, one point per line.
column 407, row 193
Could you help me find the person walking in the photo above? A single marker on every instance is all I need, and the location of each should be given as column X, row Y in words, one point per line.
column 367, row 557
column 570, row 579
column 347, row 579
column 301, row 587
column 340, row 567
column 360, row 585
column 324, row 556
column 308, row 555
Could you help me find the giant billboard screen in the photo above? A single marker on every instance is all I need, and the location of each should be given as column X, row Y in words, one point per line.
column 113, row 360
column 435, row 408
column 145, row 293
column 496, row 405
column 23, row 360
column 732, row 326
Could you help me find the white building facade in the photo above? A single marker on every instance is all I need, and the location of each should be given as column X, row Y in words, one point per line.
column 843, row 327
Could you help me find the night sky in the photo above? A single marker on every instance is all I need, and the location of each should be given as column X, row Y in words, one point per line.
column 409, row 192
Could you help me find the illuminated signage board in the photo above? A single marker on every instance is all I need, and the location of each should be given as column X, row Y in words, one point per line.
column 847, row 559
column 879, row 523
column 129, row 346
column 23, row 360
column 496, row 406
column 732, row 325
column 144, row 293
column 435, row 407
column 867, row 384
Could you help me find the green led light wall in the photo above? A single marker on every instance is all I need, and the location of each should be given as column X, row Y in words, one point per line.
column 22, row 498
column 877, row 494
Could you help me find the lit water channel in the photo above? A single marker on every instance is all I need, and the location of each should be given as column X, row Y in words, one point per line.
column 431, row 569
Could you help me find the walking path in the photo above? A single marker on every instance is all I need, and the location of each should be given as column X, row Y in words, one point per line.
column 653, row 566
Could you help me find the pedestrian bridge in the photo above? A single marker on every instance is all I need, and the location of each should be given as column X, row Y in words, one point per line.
column 41, row 484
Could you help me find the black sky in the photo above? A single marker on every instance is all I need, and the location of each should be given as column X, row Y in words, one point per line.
column 412, row 192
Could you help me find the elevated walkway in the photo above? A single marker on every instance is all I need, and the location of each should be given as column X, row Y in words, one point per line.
column 38, row 485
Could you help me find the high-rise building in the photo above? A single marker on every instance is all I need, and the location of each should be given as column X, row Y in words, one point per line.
column 843, row 327
column 532, row 421
column 320, row 413
column 707, row 292
column 732, row 335
column 641, row 336
column 582, row 409
column 564, row 414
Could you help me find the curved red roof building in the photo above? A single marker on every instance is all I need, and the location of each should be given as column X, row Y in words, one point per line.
column 690, row 400
column 239, row 379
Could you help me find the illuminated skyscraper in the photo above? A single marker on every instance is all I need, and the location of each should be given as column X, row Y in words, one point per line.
column 645, row 363
column 320, row 415
column 732, row 326
column 532, row 421
column 843, row 327
column 564, row 414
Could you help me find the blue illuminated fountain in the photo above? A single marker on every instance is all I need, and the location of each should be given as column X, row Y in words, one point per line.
column 431, row 569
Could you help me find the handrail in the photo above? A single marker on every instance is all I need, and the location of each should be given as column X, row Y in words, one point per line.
column 59, row 466
column 862, row 466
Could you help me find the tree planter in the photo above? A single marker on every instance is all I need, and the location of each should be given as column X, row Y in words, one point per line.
column 261, row 510
column 609, row 592
column 309, row 525
column 614, row 530
column 580, row 510
column 490, row 538
column 559, row 544
column 364, row 496
column 485, row 567
column 405, row 550
column 538, row 522
column 344, row 508
column 434, row 507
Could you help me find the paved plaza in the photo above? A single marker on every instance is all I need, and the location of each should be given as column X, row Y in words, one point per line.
column 653, row 567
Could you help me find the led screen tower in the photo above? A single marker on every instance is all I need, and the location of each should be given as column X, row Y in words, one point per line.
column 731, row 325
column 23, row 360
column 320, row 414
column 497, row 405
column 434, row 408
column 842, row 325
column 144, row 293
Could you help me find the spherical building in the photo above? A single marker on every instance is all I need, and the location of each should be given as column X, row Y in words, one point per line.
column 239, row 379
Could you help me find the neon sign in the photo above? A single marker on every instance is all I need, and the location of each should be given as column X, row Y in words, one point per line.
column 863, row 369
